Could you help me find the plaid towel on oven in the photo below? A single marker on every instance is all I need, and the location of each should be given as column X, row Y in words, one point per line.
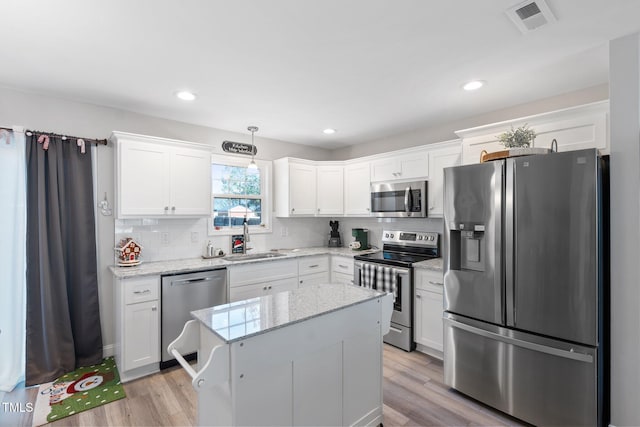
column 386, row 280
column 368, row 276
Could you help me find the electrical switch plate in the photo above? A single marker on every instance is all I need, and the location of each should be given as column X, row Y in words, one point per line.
column 195, row 236
column 164, row 238
column 284, row 231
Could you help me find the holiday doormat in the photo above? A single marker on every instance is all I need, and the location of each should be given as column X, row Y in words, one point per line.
column 77, row 391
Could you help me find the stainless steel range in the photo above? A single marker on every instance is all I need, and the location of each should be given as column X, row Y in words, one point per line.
column 392, row 270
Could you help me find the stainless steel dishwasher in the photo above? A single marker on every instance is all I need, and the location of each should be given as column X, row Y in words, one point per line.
column 184, row 293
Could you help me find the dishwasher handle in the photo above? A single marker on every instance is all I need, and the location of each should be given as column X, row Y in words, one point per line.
column 197, row 280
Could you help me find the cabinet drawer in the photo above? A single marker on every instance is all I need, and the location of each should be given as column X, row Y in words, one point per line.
column 141, row 289
column 429, row 280
column 314, row 264
column 258, row 272
column 239, row 293
column 340, row 264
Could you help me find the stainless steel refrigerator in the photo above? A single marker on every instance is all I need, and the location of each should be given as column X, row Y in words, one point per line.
column 525, row 279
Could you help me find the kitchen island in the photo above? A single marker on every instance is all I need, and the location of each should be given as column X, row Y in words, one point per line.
column 310, row 356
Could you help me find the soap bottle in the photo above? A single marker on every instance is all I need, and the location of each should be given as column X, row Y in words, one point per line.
column 209, row 249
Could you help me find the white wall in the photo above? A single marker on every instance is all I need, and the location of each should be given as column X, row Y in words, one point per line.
column 624, row 72
column 446, row 131
column 47, row 113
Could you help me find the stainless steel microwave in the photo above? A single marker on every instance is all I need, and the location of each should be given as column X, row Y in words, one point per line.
column 399, row 199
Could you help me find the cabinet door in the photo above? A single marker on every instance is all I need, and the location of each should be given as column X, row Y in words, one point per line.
column 190, row 182
column 438, row 160
column 302, row 189
column 314, row 279
column 385, row 169
column 239, row 293
column 141, row 341
column 414, row 165
column 142, row 179
column 357, row 188
column 330, row 190
column 341, row 278
column 428, row 319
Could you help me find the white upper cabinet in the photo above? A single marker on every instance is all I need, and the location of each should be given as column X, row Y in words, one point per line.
column 156, row 177
column 406, row 166
column 303, row 188
column 448, row 155
column 357, row 187
column 330, row 190
column 573, row 128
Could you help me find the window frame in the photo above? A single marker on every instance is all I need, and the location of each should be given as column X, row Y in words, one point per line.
column 265, row 167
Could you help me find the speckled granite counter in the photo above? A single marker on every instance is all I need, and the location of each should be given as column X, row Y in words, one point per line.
column 242, row 319
column 430, row 264
column 199, row 264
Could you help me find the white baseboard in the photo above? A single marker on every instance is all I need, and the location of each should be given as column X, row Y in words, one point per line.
column 108, row 350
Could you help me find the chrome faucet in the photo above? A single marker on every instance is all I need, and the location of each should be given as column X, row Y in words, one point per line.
column 246, row 237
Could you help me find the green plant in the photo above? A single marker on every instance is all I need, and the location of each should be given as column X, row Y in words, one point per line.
column 521, row 137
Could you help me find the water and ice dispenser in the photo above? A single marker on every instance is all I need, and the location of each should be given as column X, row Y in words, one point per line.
column 467, row 247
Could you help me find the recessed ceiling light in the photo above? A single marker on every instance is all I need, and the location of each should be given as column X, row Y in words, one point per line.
column 329, row 131
column 473, row 85
column 185, row 95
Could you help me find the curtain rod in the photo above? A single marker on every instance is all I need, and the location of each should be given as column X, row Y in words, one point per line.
column 65, row 137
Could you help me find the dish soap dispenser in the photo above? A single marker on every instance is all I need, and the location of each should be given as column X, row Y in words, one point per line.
column 210, row 249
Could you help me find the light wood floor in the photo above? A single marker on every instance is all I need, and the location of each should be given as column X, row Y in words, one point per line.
column 414, row 395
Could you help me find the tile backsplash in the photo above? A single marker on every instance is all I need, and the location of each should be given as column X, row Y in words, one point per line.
column 169, row 239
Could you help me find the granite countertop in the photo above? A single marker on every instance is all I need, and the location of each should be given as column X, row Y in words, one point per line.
column 242, row 319
column 430, row 264
column 200, row 264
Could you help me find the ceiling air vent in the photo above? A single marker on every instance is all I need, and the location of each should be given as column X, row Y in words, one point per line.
column 531, row 15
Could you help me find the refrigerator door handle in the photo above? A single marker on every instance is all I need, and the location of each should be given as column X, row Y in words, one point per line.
column 568, row 354
column 510, row 243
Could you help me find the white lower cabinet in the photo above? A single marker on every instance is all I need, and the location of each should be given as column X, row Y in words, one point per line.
column 313, row 270
column 239, row 293
column 342, row 270
column 262, row 278
column 428, row 309
column 137, row 315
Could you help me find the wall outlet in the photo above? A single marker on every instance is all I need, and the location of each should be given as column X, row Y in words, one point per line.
column 195, row 237
column 284, row 231
column 164, row 238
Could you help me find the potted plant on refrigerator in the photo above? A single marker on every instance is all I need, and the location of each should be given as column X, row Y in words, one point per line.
column 521, row 137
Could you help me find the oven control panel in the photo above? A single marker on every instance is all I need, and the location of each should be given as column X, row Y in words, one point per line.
column 413, row 238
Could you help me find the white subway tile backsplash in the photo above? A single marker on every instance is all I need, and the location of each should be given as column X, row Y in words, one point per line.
column 301, row 232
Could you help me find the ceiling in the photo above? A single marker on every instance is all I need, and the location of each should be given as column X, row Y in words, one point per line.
column 368, row 68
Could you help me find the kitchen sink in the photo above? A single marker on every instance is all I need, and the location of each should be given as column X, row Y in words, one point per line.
column 248, row 257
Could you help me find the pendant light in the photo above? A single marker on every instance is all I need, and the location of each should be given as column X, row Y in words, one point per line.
column 252, row 129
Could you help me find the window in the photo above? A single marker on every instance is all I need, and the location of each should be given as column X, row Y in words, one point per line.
column 238, row 193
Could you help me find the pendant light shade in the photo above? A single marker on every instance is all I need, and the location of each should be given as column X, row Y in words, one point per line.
column 252, row 129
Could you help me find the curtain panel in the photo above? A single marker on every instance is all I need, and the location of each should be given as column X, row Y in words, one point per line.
column 63, row 317
column 12, row 259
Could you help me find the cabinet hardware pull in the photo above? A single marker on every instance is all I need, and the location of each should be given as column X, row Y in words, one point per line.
column 418, row 296
column 436, row 283
column 154, row 308
column 166, row 208
column 264, row 288
column 314, row 266
column 146, row 291
column 301, row 281
column 342, row 266
column 173, row 208
column 269, row 287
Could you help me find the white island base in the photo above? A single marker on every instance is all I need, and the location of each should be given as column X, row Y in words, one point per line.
column 311, row 356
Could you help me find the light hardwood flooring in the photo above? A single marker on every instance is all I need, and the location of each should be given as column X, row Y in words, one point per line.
column 414, row 395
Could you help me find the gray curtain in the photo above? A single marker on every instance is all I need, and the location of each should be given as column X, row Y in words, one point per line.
column 63, row 315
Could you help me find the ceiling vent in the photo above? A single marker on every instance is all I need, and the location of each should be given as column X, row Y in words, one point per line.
column 531, row 15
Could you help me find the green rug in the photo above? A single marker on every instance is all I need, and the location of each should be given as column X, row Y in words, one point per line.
column 85, row 388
